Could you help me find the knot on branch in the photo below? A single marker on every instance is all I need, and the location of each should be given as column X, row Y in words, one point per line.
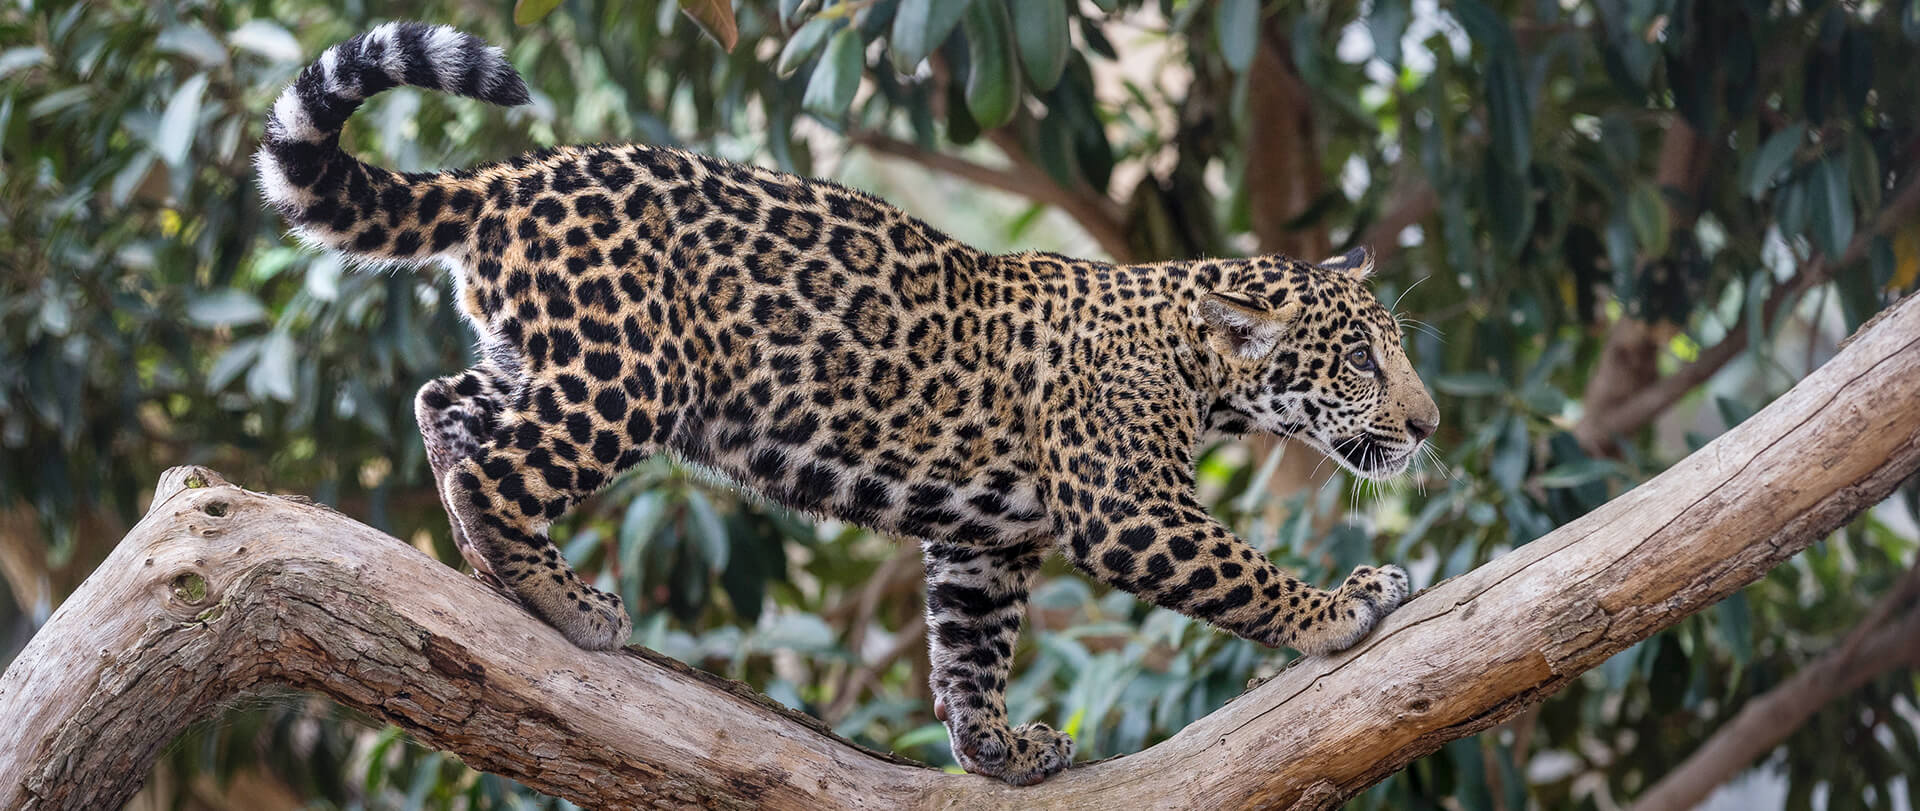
column 193, row 507
column 1570, row 632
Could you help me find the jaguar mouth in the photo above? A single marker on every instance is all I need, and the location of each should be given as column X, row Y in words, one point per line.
column 1366, row 456
column 1356, row 450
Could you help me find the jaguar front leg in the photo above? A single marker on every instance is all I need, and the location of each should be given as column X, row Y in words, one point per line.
column 976, row 599
column 1133, row 520
column 1176, row 556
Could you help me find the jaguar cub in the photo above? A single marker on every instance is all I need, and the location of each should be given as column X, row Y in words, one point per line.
column 842, row 358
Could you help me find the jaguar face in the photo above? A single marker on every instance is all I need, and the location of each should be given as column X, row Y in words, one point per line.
column 1313, row 355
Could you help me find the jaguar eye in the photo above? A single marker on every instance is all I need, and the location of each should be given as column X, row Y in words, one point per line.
column 1361, row 359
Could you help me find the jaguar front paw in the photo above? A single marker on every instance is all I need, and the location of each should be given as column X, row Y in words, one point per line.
column 1381, row 588
column 1362, row 601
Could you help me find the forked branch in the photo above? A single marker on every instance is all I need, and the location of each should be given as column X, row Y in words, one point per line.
column 220, row 591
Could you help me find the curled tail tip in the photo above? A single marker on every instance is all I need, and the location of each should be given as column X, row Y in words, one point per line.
column 435, row 57
column 464, row 64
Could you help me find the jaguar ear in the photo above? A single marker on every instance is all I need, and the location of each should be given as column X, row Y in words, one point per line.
column 1239, row 325
column 1357, row 262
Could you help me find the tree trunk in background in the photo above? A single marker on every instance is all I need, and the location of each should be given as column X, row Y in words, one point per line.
column 220, row 591
column 1284, row 177
column 1630, row 361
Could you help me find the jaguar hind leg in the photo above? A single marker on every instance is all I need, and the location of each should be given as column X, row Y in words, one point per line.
column 976, row 599
column 535, row 466
column 456, row 414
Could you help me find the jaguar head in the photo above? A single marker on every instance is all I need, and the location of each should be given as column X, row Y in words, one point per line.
column 1308, row 352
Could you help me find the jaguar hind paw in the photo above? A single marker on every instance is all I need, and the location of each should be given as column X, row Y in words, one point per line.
column 1023, row 756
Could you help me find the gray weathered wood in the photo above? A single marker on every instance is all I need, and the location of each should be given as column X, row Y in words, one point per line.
column 219, row 591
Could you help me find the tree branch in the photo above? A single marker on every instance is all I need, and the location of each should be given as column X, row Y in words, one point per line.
column 220, row 591
column 1100, row 216
column 1874, row 647
column 1648, row 402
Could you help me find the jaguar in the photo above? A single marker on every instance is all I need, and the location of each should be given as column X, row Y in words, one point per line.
column 825, row 350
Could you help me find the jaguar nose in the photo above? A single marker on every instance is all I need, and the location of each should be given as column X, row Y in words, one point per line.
column 1420, row 428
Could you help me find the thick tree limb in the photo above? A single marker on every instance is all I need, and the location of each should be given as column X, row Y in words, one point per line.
column 219, row 591
column 1888, row 639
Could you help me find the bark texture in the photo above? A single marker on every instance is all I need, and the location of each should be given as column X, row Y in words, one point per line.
column 219, row 591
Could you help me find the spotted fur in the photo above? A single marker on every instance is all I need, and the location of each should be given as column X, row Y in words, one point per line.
column 845, row 359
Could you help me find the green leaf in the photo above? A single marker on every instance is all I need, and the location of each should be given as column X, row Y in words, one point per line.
column 193, row 41
column 920, row 736
column 704, row 524
column 1647, row 211
column 528, row 12
column 875, row 18
column 961, row 128
column 581, row 547
column 272, row 375
column 58, row 101
column 746, row 576
column 805, row 633
column 1470, row 774
column 21, row 58
column 1776, row 154
column 1863, row 164
column 831, row 88
column 919, row 27
column 129, row 178
column 1469, row 384
column 174, row 136
column 792, row 12
column 375, row 783
column 322, row 279
column 1237, row 28
column 1460, row 560
column 1830, row 205
column 1791, row 203
column 232, row 362
column 642, row 519
column 993, row 80
column 715, row 17
column 1576, row 473
column 1041, row 32
column 267, row 40
column 1387, row 22
column 225, row 307
column 1732, row 411
column 804, row 44
column 1736, row 626
column 1509, row 113
column 1511, row 455
column 1510, row 203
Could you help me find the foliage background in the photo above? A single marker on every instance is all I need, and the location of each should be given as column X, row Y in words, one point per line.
column 1623, row 224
